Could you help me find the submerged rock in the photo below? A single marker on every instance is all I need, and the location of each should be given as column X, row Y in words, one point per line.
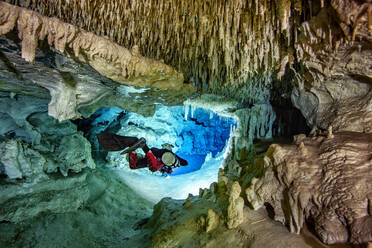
column 203, row 222
column 35, row 150
column 327, row 186
column 35, row 143
column 91, row 209
column 235, row 214
column 53, row 194
column 19, row 161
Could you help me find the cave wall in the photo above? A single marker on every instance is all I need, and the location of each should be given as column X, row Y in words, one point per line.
column 45, row 161
column 37, row 153
column 322, row 180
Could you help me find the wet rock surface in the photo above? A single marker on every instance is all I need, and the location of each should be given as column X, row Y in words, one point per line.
column 323, row 180
column 115, row 62
column 36, row 153
column 89, row 210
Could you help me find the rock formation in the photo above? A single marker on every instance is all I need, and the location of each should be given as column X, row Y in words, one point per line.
column 230, row 45
column 203, row 222
column 324, row 181
column 235, row 209
column 42, row 149
column 76, row 90
column 108, row 58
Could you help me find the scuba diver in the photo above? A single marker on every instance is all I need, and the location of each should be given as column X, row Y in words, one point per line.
column 163, row 160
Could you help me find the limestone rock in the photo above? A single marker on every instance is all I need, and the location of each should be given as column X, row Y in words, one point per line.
column 27, row 200
column 105, row 56
column 232, row 167
column 35, row 143
column 74, row 153
column 172, row 228
column 70, row 206
column 108, row 58
column 354, row 115
column 232, row 46
column 20, row 161
column 327, row 186
column 235, row 214
column 348, row 111
column 75, row 89
column 213, row 220
column 185, row 222
column 252, row 194
column 329, row 81
column 191, row 41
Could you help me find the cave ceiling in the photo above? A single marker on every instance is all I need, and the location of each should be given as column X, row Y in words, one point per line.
column 217, row 46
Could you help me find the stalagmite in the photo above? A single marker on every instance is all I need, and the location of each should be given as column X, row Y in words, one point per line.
column 213, row 220
column 330, row 133
column 235, row 214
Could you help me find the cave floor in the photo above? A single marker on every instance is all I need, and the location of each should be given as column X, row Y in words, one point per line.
column 114, row 215
column 270, row 233
column 107, row 220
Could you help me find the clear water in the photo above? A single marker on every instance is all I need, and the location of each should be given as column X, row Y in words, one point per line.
column 201, row 139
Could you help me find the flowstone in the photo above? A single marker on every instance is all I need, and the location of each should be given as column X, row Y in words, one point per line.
column 323, row 180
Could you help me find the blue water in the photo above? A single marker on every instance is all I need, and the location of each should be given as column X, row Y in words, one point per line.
column 202, row 133
column 195, row 162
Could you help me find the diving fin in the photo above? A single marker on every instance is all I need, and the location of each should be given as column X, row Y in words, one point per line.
column 140, row 143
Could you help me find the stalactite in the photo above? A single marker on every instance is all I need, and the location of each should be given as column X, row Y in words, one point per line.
column 110, row 59
column 206, row 39
column 217, row 44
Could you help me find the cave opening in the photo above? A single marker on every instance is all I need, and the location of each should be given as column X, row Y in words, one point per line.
column 198, row 135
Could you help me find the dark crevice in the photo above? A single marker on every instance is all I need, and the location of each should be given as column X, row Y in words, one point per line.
column 270, row 210
column 289, row 120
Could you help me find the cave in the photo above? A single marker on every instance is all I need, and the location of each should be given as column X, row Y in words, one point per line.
column 245, row 123
column 203, row 139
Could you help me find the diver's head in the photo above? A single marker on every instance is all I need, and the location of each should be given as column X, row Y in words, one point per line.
column 169, row 158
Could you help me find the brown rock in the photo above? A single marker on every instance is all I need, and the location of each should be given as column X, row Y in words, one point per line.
column 107, row 57
column 235, row 209
column 354, row 114
column 225, row 45
column 212, row 221
column 329, row 186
